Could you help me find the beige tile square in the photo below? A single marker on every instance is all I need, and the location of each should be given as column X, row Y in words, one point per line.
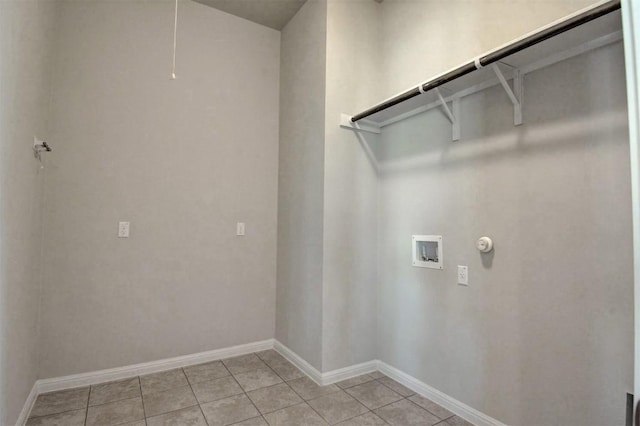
column 271, row 357
column 373, row 394
column 296, row 415
column 164, row 380
column 60, row 401
column 68, row 418
column 256, row 421
column 431, row 407
column 274, row 398
column 229, row 410
column 337, row 407
column 115, row 413
column 354, row 381
column 114, row 391
column 406, row 413
column 216, row 389
column 458, row 421
column 191, row 416
column 204, row 372
column 244, row 363
column 396, row 387
column 257, row 379
column 377, row 375
column 368, row 419
column 168, row 400
column 286, row 370
column 308, row 389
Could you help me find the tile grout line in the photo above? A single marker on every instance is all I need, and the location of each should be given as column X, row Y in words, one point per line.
column 407, row 398
column 414, row 394
column 166, row 390
column 267, row 363
column 194, row 395
column 116, row 400
column 304, row 401
column 433, row 414
column 382, row 406
column 353, row 417
column 351, row 396
column 246, row 394
column 144, row 410
column 54, row 414
column 86, row 411
column 283, row 381
column 189, row 384
column 389, row 387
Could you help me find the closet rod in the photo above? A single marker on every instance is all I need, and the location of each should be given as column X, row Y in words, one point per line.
column 496, row 55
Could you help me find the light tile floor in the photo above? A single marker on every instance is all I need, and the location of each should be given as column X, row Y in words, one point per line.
column 252, row 390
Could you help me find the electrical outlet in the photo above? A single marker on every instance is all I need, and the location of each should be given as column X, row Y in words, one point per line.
column 240, row 228
column 463, row 275
column 123, row 230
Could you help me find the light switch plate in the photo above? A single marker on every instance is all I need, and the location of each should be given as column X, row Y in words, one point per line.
column 123, row 229
column 240, row 228
column 463, row 275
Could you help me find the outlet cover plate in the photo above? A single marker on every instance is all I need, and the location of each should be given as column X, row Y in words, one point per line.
column 463, row 275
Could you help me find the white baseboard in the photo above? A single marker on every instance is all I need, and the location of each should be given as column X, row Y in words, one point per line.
column 329, row 377
column 348, row 372
column 298, row 361
column 94, row 377
column 456, row 407
column 84, row 379
column 28, row 405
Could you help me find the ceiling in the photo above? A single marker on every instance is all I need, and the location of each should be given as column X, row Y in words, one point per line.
column 272, row 13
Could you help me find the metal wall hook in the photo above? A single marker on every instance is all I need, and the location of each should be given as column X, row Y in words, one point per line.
column 39, row 147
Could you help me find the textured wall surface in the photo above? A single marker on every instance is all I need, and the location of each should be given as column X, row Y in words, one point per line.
column 300, row 182
column 544, row 332
column 26, row 31
column 183, row 161
column 350, row 187
column 547, row 320
column 421, row 39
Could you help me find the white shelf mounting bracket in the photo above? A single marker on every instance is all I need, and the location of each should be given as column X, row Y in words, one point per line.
column 515, row 94
column 455, row 103
column 452, row 115
column 360, row 126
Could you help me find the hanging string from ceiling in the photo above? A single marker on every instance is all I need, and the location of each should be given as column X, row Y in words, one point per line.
column 175, row 38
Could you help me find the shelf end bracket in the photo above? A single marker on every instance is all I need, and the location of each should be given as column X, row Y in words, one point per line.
column 455, row 122
column 515, row 94
column 368, row 127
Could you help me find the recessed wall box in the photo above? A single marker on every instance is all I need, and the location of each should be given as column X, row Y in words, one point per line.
column 427, row 251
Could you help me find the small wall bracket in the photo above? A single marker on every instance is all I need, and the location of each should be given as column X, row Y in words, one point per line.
column 453, row 114
column 39, row 147
column 515, row 94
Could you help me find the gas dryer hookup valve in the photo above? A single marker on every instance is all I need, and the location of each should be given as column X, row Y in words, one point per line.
column 484, row 244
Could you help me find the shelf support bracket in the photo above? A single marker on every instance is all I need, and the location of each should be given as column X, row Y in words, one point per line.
column 515, row 94
column 359, row 127
column 455, row 122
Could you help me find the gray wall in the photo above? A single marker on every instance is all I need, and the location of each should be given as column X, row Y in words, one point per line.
column 300, row 182
column 26, row 29
column 423, row 38
column 183, row 161
column 350, row 187
column 544, row 332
